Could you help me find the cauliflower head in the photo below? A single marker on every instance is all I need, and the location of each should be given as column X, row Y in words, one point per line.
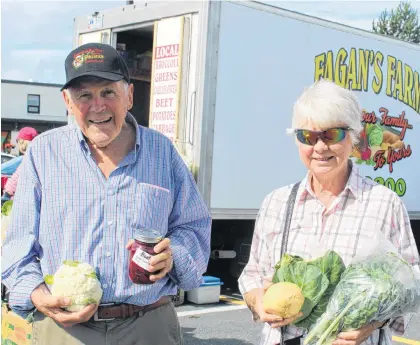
column 77, row 281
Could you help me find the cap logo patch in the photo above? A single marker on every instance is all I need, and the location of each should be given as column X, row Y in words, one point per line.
column 88, row 56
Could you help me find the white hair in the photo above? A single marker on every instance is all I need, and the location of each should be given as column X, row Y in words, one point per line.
column 328, row 105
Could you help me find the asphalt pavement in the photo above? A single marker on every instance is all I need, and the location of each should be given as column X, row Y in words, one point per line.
column 229, row 323
column 233, row 327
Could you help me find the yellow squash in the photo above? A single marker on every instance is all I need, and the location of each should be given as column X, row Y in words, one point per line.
column 283, row 299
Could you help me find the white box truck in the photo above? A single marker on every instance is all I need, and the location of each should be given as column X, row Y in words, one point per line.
column 220, row 79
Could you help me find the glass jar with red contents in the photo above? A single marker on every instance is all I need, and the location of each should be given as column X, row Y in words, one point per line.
column 140, row 253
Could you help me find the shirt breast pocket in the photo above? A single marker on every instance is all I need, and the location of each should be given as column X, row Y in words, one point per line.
column 152, row 208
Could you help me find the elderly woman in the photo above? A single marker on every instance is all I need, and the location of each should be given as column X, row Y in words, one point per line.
column 335, row 207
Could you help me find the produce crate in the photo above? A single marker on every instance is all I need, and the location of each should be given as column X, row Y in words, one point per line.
column 14, row 329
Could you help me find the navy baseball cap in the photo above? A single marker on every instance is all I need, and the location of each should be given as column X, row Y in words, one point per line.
column 95, row 59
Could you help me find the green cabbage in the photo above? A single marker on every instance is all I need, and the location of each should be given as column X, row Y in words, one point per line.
column 316, row 278
column 7, row 208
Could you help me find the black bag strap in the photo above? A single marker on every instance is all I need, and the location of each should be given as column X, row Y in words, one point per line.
column 288, row 217
column 381, row 336
column 287, row 220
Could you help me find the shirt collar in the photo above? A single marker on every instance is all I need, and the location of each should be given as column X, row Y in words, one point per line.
column 129, row 119
column 354, row 184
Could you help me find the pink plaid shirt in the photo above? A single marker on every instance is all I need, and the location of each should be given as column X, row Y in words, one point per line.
column 12, row 182
column 363, row 208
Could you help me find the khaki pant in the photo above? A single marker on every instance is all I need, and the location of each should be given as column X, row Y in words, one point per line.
column 159, row 326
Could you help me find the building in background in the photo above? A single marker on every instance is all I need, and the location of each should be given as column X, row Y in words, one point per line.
column 36, row 105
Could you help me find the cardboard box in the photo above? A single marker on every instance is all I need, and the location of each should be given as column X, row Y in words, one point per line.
column 14, row 329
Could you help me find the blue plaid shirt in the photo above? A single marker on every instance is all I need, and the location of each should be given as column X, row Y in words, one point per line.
column 65, row 209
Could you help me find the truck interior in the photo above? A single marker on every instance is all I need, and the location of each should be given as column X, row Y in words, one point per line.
column 136, row 47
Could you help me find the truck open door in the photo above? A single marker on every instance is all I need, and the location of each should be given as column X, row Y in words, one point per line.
column 161, row 54
column 162, row 67
column 173, row 82
column 102, row 36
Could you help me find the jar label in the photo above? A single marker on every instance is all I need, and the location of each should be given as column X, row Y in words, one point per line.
column 141, row 258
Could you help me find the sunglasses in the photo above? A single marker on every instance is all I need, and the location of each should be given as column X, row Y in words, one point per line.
column 329, row 136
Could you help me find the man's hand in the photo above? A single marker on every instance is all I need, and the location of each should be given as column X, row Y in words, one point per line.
column 254, row 299
column 161, row 263
column 358, row 336
column 51, row 307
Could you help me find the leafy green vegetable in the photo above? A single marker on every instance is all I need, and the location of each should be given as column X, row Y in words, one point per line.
column 89, row 301
column 368, row 291
column 49, row 279
column 91, row 275
column 316, row 278
column 7, row 207
column 332, row 265
column 309, row 278
column 71, row 263
column 30, row 318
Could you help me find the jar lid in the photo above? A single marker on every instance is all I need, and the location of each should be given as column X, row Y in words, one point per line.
column 147, row 236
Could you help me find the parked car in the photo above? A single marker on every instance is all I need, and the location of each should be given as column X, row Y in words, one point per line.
column 8, row 169
column 5, row 157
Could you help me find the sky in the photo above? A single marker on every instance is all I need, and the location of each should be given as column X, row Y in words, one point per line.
column 37, row 36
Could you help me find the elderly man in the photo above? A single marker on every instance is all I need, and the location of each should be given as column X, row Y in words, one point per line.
column 85, row 190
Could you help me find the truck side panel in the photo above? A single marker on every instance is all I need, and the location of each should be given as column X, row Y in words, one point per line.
column 265, row 61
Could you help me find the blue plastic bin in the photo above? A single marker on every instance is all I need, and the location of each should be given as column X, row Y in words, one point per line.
column 207, row 292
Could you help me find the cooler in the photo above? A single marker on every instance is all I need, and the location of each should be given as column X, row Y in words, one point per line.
column 208, row 292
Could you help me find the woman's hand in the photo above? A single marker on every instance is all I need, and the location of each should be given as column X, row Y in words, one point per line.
column 358, row 336
column 254, row 300
column 162, row 262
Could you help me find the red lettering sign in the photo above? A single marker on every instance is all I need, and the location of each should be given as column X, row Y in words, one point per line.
column 400, row 121
column 394, row 156
column 166, row 51
column 369, row 117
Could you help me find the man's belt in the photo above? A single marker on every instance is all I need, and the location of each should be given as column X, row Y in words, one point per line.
column 111, row 311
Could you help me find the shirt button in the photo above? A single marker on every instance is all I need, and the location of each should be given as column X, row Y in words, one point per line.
column 108, row 254
column 110, row 222
column 105, row 286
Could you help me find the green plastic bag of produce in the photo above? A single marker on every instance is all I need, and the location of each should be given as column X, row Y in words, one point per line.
column 378, row 285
